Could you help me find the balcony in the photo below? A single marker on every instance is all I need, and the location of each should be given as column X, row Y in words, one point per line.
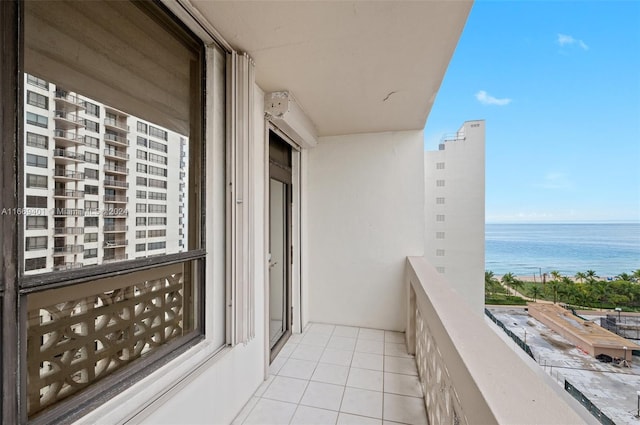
column 459, row 360
column 115, row 183
column 67, row 266
column 115, row 243
column 113, row 153
column 68, row 249
column 116, row 125
column 67, row 156
column 115, row 139
column 117, row 169
column 68, row 230
column 115, row 228
column 64, row 212
column 68, row 194
column 116, row 198
column 67, row 175
column 67, row 138
column 64, row 98
column 67, row 120
column 115, row 212
column 113, row 258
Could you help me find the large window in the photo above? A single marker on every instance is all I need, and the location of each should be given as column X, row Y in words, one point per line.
column 37, row 120
column 37, row 140
column 74, row 347
column 35, row 243
column 36, row 160
column 37, row 99
column 36, row 222
column 37, row 181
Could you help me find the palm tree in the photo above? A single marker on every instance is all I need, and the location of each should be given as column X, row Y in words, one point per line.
column 555, row 274
column 536, row 292
column 554, row 287
column 580, row 276
column 490, row 283
column 591, row 275
column 508, row 279
column 636, row 275
column 624, row 276
column 517, row 285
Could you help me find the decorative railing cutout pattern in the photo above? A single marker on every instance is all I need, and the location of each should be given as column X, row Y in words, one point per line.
column 80, row 334
column 440, row 398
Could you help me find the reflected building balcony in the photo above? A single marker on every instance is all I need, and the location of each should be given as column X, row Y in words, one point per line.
column 67, row 156
column 68, row 249
column 68, row 194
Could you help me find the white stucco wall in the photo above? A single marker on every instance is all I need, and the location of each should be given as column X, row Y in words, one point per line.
column 364, row 205
column 463, row 210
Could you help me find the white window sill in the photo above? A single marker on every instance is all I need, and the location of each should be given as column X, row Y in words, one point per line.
column 158, row 386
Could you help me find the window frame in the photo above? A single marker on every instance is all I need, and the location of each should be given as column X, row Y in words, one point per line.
column 16, row 286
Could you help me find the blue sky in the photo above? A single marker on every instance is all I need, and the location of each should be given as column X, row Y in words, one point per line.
column 558, row 84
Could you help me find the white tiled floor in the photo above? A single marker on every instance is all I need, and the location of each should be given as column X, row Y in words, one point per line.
column 339, row 375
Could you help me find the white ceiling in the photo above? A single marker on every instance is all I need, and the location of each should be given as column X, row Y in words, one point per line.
column 353, row 66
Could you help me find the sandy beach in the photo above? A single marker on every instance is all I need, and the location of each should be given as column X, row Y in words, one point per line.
column 536, row 278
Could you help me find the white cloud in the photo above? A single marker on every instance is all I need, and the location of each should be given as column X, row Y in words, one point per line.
column 567, row 40
column 486, row 99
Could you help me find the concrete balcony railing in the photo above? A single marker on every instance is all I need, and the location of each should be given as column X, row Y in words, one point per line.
column 68, row 249
column 110, row 122
column 116, row 153
column 113, row 138
column 116, row 169
column 467, row 373
column 68, row 193
column 69, row 98
column 68, row 154
column 115, row 228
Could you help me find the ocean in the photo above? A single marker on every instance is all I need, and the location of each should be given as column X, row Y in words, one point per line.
column 526, row 249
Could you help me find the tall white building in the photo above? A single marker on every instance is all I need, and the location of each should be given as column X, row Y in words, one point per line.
column 100, row 185
column 454, row 210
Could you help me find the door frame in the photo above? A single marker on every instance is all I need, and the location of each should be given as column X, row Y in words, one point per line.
column 296, row 240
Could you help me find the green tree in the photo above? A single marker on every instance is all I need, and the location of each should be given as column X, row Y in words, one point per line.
column 625, row 276
column 580, row 276
column 555, row 274
column 508, row 279
column 535, row 291
column 517, row 285
column 636, row 275
column 591, row 276
column 554, row 284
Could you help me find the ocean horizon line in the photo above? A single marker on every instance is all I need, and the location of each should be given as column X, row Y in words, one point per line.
column 621, row 221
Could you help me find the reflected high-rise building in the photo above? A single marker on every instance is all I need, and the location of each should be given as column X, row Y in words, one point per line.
column 97, row 186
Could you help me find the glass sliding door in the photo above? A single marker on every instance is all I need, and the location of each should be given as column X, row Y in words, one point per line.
column 280, row 208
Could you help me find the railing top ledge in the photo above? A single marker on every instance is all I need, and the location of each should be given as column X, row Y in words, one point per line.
column 482, row 367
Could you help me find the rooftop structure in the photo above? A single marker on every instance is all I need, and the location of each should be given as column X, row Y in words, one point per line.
column 586, row 335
